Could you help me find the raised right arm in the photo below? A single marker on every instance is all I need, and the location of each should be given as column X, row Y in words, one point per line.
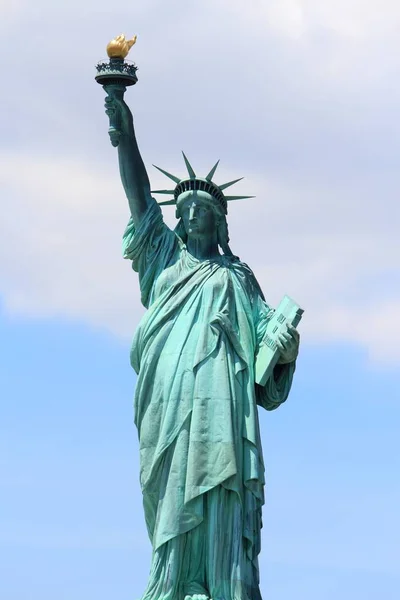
column 133, row 172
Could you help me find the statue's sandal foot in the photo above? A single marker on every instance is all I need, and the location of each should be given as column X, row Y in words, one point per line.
column 195, row 591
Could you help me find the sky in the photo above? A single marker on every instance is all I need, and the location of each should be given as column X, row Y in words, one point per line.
column 301, row 98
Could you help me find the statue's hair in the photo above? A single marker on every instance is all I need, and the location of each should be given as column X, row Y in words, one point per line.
column 223, row 236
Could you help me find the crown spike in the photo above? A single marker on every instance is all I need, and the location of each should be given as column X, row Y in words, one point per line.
column 167, row 202
column 176, row 179
column 229, row 198
column 212, row 172
column 226, row 185
column 189, row 167
column 163, row 192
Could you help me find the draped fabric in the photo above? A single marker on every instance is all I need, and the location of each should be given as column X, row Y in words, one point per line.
column 201, row 463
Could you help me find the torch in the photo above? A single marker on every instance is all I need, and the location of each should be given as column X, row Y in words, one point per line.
column 115, row 75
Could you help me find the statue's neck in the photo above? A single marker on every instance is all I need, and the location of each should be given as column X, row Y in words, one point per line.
column 203, row 248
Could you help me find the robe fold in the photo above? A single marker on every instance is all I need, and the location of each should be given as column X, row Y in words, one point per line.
column 196, row 403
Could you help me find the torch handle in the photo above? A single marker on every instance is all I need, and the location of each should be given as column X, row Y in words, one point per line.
column 114, row 90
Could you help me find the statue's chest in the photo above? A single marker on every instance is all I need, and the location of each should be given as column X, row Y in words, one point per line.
column 205, row 279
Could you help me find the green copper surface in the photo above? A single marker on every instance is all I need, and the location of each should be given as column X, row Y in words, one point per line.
column 196, row 398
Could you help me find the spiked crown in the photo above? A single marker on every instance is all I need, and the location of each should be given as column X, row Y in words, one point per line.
column 197, row 183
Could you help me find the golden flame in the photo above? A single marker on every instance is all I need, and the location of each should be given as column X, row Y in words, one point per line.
column 119, row 47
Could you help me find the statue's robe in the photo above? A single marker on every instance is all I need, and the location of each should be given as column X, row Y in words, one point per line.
column 201, row 463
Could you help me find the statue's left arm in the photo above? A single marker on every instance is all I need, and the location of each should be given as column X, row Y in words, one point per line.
column 276, row 390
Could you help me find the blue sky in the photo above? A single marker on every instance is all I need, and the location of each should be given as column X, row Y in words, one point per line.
column 302, row 98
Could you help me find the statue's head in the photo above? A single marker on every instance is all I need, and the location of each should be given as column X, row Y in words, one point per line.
column 199, row 213
column 201, row 206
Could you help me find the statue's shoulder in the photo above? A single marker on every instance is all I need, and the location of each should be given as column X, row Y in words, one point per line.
column 245, row 275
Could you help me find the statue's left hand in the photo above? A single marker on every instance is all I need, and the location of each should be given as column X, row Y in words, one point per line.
column 288, row 344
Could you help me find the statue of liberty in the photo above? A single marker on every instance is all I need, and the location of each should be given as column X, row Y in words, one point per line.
column 201, row 462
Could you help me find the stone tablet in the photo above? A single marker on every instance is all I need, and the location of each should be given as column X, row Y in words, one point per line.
column 268, row 355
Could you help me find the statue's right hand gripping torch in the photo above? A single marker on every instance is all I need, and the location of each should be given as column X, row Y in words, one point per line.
column 115, row 76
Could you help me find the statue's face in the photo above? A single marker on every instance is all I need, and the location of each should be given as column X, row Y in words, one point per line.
column 198, row 214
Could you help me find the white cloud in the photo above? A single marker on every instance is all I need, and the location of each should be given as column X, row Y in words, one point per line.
column 9, row 10
column 354, row 18
column 349, row 18
column 287, row 17
column 61, row 249
column 300, row 96
column 352, row 43
column 61, row 255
